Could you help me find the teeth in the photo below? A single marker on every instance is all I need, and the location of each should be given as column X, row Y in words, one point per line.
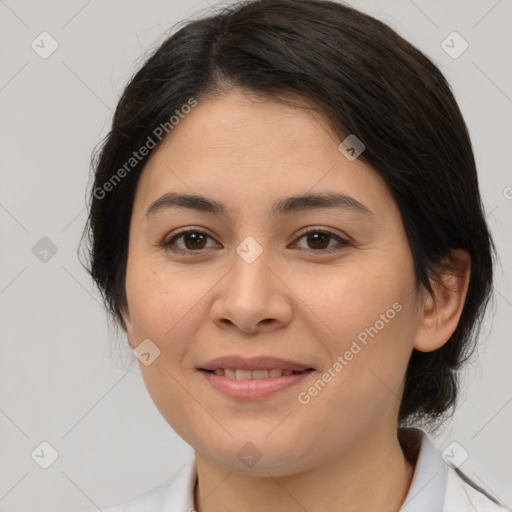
column 230, row 373
column 251, row 374
column 259, row 374
column 243, row 374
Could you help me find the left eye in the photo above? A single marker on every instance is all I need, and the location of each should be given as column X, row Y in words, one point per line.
column 194, row 240
column 318, row 238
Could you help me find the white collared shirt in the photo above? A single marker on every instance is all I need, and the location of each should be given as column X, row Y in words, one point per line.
column 435, row 487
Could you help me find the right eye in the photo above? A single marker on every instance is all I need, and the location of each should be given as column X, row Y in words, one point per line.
column 193, row 240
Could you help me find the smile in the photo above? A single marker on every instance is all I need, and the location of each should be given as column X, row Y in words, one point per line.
column 253, row 384
column 238, row 374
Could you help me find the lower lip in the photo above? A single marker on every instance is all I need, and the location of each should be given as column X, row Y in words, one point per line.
column 253, row 389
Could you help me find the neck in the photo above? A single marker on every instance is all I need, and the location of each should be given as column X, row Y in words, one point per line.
column 371, row 475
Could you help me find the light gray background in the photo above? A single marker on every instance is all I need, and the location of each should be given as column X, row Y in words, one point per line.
column 64, row 377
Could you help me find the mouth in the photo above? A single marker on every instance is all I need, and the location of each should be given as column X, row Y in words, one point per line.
column 243, row 374
column 252, row 378
column 253, row 385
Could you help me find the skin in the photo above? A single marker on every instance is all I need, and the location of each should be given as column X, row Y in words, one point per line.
column 295, row 301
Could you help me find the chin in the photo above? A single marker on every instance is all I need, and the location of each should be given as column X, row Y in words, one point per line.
column 257, row 456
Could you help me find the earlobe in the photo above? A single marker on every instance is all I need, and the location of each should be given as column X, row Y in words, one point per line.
column 440, row 313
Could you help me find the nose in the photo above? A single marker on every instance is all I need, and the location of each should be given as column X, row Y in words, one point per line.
column 252, row 297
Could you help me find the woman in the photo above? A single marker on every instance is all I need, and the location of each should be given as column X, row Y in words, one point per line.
column 286, row 222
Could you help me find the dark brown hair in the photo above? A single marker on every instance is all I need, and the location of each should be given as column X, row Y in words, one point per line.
column 366, row 80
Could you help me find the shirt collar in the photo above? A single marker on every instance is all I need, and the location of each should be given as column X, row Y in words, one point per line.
column 428, row 487
column 426, row 492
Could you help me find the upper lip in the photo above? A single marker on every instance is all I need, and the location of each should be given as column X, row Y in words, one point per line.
column 253, row 363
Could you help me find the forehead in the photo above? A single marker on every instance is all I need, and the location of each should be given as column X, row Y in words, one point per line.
column 239, row 123
column 253, row 150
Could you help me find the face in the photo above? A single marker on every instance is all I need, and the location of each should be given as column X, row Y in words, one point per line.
column 329, row 287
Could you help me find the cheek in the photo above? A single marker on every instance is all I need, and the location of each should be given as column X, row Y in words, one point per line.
column 366, row 314
column 351, row 297
column 143, row 293
column 157, row 297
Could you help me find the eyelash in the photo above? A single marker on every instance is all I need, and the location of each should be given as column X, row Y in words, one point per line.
column 168, row 245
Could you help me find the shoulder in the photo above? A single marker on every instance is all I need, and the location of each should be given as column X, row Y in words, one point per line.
column 174, row 494
column 437, row 486
column 463, row 492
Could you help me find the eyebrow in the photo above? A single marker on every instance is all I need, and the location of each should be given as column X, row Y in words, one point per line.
column 283, row 206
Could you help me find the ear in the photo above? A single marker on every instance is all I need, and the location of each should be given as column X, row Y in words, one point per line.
column 127, row 326
column 440, row 314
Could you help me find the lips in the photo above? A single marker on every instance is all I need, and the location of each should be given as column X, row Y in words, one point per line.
column 256, row 378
